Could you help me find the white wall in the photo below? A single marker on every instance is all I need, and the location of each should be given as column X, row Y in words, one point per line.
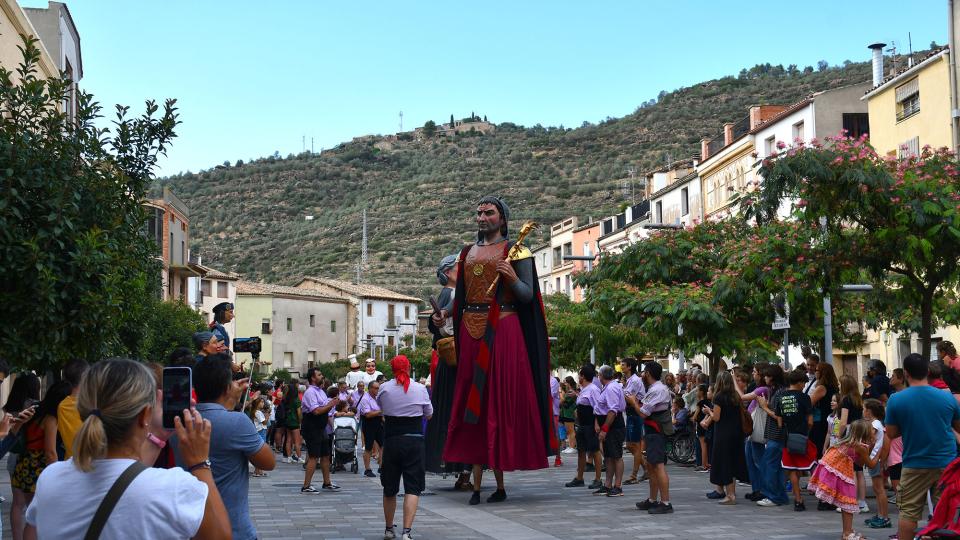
column 376, row 323
column 543, row 261
column 782, row 130
column 326, row 345
column 671, row 202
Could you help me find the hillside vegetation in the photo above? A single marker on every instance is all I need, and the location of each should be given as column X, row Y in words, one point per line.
column 419, row 195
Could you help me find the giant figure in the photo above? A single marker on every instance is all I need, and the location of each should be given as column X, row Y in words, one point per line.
column 502, row 414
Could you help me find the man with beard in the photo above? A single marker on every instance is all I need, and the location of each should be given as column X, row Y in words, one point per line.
column 443, row 377
column 502, row 413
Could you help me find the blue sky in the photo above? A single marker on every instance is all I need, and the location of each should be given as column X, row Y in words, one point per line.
column 253, row 78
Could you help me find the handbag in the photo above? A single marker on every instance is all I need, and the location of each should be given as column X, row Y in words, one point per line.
column 447, row 350
column 746, row 422
column 759, row 417
column 797, row 443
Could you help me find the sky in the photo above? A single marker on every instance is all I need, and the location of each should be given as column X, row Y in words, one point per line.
column 254, row 78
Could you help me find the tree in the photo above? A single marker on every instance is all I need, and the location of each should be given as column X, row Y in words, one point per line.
column 577, row 330
column 429, row 129
column 451, row 121
column 168, row 325
column 822, row 65
column 897, row 219
column 80, row 274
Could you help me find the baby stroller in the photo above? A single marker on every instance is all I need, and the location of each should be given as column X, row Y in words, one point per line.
column 345, row 444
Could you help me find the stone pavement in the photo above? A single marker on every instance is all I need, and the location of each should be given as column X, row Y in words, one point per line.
column 539, row 507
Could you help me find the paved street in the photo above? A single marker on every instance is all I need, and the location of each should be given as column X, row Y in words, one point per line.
column 539, row 507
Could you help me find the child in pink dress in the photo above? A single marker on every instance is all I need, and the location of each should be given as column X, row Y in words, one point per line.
column 834, row 482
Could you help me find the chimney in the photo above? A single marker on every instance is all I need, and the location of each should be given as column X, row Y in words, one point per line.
column 727, row 133
column 755, row 117
column 704, row 149
column 877, row 49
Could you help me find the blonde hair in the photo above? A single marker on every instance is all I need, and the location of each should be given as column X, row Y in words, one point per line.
column 858, row 432
column 112, row 393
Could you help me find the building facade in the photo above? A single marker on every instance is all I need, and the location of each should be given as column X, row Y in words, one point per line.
column 911, row 109
column 379, row 318
column 298, row 328
column 14, row 22
column 60, row 38
column 168, row 224
column 212, row 288
column 543, row 262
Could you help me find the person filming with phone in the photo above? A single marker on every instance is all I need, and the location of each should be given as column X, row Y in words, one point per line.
column 233, row 440
column 107, row 489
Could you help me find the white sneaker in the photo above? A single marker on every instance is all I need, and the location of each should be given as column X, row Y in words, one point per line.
column 287, row 459
column 766, row 502
column 569, row 450
column 390, row 534
column 864, row 508
column 407, row 536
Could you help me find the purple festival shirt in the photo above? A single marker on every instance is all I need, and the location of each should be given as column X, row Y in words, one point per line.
column 313, row 398
column 555, row 392
column 394, row 401
column 369, row 404
column 657, row 399
column 610, row 399
column 588, row 396
column 635, row 387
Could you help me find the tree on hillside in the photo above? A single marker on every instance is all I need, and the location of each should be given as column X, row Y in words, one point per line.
column 898, row 219
column 451, row 120
column 429, row 129
column 822, row 65
column 80, row 275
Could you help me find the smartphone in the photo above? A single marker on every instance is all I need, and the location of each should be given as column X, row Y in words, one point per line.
column 177, row 386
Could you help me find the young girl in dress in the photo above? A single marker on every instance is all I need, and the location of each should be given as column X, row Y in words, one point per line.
column 260, row 413
column 834, row 482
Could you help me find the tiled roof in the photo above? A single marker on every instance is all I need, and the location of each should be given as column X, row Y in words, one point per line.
column 363, row 290
column 269, row 289
column 906, row 70
column 213, row 273
column 786, row 112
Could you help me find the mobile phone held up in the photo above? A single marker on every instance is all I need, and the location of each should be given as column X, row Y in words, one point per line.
column 177, row 386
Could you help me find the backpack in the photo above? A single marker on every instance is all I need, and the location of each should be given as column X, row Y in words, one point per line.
column 946, row 517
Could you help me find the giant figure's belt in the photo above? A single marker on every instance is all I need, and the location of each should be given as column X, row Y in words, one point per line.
column 482, row 308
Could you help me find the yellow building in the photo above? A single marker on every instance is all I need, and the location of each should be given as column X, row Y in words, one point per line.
column 14, row 23
column 911, row 109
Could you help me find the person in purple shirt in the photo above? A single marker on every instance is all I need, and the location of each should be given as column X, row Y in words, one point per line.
column 369, row 410
column 588, row 444
column 611, row 430
column 634, row 433
column 658, row 424
column 343, row 392
column 555, row 395
column 316, row 409
column 405, row 404
column 356, row 395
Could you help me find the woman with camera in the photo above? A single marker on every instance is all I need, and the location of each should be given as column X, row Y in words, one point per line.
column 121, row 432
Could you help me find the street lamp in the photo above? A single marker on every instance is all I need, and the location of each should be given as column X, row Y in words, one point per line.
column 828, row 316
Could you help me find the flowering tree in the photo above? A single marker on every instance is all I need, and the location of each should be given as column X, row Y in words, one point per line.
column 895, row 219
column 577, row 329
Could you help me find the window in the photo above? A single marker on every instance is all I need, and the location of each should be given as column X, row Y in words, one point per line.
column 205, row 287
column 170, row 248
column 289, row 324
column 910, row 147
column 798, row 131
column 544, row 291
column 908, row 99
column 544, row 263
column 313, row 321
column 390, row 341
column 568, row 248
column 558, row 284
column 369, row 309
column 335, row 356
column 333, row 326
column 659, row 212
column 684, row 201
column 288, row 359
column 222, row 289
column 183, row 252
column 567, row 284
column 556, row 256
column 856, row 124
column 391, row 316
column 311, row 358
column 406, row 312
column 769, row 145
column 265, row 326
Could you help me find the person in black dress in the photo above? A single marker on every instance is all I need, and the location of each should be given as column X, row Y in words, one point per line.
column 727, row 459
column 442, row 381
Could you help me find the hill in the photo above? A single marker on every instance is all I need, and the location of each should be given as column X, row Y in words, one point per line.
column 419, row 195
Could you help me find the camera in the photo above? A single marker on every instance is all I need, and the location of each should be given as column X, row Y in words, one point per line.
column 250, row 345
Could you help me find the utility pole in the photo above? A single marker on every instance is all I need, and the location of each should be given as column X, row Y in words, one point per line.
column 311, row 145
column 954, row 101
column 401, row 121
column 303, row 143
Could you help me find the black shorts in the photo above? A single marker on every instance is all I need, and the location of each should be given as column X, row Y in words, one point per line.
column 315, row 436
column 613, row 443
column 372, row 433
column 894, row 471
column 587, row 440
column 656, row 447
column 403, row 457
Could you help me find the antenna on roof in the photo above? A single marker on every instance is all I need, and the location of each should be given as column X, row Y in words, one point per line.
column 910, row 48
column 893, row 54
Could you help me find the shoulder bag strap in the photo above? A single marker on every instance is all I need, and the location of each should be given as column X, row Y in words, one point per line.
column 111, row 499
